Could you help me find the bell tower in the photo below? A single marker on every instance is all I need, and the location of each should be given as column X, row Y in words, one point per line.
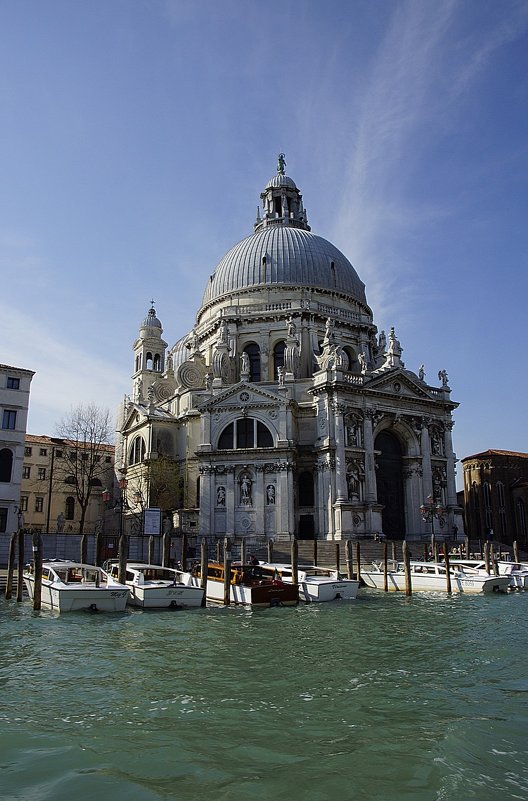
column 149, row 355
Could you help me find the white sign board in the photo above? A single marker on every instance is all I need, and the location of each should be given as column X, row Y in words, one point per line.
column 152, row 521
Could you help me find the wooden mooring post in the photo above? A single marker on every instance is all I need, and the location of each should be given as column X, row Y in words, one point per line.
column 349, row 559
column 166, row 549
column 204, row 564
column 358, row 561
column 84, row 549
column 407, row 568
column 243, row 557
column 150, row 549
column 270, row 550
column 448, row 571
column 11, row 566
column 295, row 560
column 227, row 572
column 386, row 566
column 98, row 546
column 37, row 567
column 20, row 568
column 218, row 550
column 123, row 554
column 337, row 556
column 487, row 556
column 315, row 551
column 515, row 551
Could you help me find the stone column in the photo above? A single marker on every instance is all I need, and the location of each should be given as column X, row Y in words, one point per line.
column 231, row 500
column 370, row 464
column 341, row 493
column 259, row 500
column 450, row 466
column 425, row 448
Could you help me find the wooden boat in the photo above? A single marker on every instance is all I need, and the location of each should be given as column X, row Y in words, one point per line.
column 72, row 586
column 316, row 584
column 156, row 587
column 249, row 584
column 432, row 577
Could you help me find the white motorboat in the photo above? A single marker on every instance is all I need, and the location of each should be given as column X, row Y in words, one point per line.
column 249, row 584
column 72, row 586
column 517, row 573
column 316, row 584
column 156, row 587
column 432, row 577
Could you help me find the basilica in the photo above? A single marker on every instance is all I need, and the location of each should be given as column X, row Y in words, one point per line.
column 284, row 411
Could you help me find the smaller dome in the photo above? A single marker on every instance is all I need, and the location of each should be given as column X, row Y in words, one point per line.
column 151, row 321
column 279, row 181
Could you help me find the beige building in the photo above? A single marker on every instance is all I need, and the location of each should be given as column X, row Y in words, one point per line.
column 14, row 402
column 48, row 497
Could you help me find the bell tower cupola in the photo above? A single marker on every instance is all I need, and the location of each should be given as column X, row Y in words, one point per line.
column 282, row 202
column 149, row 354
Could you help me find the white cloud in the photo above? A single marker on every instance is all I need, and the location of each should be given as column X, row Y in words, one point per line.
column 65, row 375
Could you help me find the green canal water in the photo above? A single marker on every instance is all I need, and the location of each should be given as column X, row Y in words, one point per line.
column 383, row 699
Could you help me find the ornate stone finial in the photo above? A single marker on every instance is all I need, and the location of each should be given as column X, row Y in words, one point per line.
column 281, row 164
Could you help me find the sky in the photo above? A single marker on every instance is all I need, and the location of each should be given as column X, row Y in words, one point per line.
column 137, row 136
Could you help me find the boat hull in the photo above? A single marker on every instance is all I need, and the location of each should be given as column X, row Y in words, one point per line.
column 76, row 599
column 434, row 583
column 166, row 597
column 265, row 595
column 323, row 591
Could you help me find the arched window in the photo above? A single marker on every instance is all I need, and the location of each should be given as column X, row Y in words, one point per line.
column 137, row 452
column 476, row 497
column 278, row 358
column 500, row 493
column 149, row 361
column 6, row 464
column 253, row 352
column 157, row 362
column 69, row 513
column 351, row 362
column 487, row 494
column 306, row 489
column 246, row 432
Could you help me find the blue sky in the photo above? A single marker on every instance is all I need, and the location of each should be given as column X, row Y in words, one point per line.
column 137, row 136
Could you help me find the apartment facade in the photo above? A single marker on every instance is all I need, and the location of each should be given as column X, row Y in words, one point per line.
column 48, row 497
column 15, row 384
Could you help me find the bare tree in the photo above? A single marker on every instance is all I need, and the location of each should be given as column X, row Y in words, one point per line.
column 86, row 432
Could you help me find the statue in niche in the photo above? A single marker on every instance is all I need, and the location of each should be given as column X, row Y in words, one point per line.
column 245, row 490
column 362, row 363
column 352, row 437
column 220, row 496
column 244, row 363
column 270, row 494
column 436, row 445
column 353, row 479
column 222, row 333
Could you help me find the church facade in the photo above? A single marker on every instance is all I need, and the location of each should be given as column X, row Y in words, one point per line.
column 284, row 411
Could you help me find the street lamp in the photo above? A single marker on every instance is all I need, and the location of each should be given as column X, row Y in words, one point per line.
column 429, row 510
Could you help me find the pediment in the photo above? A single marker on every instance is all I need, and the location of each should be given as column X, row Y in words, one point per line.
column 135, row 415
column 399, row 384
column 243, row 395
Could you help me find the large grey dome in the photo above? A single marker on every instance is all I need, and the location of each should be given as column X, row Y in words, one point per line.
column 280, row 254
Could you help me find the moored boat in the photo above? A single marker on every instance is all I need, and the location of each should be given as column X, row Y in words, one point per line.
column 432, row 577
column 316, row 584
column 517, row 574
column 249, row 584
column 156, row 587
column 73, row 586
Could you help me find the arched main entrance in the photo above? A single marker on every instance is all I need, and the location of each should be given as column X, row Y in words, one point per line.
column 389, row 480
